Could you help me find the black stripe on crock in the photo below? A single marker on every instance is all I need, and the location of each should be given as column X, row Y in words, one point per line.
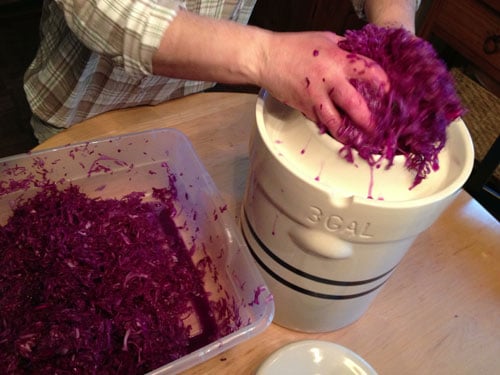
column 300, row 272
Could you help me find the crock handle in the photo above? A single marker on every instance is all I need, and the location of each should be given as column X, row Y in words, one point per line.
column 320, row 244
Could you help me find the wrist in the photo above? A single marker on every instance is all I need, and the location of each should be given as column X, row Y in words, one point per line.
column 254, row 57
column 392, row 13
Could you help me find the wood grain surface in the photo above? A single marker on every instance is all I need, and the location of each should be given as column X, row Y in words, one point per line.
column 439, row 313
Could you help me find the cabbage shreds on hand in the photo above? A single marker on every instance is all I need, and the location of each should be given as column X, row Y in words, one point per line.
column 411, row 119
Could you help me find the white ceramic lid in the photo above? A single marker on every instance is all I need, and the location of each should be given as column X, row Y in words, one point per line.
column 315, row 357
column 314, row 157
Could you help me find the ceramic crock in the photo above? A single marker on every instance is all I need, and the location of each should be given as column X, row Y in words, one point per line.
column 326, row 233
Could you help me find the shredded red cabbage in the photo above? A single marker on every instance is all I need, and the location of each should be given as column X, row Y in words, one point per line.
column 411, row 119
column 97, row 286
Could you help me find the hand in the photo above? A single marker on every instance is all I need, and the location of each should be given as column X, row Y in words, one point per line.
column 306, row 70
column 310, row 72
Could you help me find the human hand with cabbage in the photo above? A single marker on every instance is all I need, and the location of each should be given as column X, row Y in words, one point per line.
column 310, row 72
column 306, row 70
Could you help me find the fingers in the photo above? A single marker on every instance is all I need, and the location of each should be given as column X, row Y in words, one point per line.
column 321, row 79
column 330, row 106
column 353, row 105
column 345, row 98
column 364, row 69
column 327, row 115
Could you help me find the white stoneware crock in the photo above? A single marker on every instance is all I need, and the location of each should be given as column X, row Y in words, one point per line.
column 325, row 233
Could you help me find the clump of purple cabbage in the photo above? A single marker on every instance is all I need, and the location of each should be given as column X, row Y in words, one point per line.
column 411, row 119
column 97, row 286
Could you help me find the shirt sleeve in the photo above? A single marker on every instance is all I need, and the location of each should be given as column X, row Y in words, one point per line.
column 128, row 31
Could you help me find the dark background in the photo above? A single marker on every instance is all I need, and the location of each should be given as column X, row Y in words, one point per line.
column 19, row 21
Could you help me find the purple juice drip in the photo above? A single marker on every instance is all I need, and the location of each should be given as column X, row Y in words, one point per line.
column 273, row 232
column 370, row 185
column 303, row 150
column 318, row 177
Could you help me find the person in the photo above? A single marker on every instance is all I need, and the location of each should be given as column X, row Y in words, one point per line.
column 99, row 55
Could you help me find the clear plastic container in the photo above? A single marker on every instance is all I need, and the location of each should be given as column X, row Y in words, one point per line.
column 114, row 167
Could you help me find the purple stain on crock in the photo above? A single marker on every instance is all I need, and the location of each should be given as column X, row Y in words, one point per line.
column 318, row 177
column 370, row 185
column 315, row 53
column 273, row 231
column 223, row 208
column 303, row 150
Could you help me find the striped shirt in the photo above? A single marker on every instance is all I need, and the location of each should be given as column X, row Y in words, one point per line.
column 96, row 56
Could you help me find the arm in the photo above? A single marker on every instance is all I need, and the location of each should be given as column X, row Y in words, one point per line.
column 308, row 70
column 202, row 48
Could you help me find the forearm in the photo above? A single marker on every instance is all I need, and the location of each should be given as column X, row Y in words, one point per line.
column 201, row 48
column 392, row 13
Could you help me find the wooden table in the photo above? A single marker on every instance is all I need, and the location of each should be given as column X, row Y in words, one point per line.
column 438, row 314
